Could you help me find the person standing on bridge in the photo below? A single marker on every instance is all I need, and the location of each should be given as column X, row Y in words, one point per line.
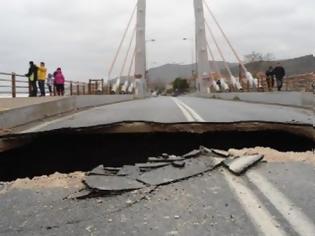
column 42, row 72
column 59, row 82
column 32, row 78
column 279, row 73
column 50, row 84
column 270, row 78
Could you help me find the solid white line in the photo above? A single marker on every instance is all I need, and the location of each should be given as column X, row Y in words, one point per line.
column 258, row 214
column 192, row 112
column 298, row 220
column 187, row 115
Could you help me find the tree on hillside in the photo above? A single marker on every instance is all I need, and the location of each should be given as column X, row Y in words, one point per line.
column 256, row 56
column 180, row 85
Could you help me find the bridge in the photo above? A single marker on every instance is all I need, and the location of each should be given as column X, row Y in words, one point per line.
column 111, row 159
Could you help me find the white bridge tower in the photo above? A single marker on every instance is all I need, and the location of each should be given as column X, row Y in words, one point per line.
column 203, row 67
column 140, row 53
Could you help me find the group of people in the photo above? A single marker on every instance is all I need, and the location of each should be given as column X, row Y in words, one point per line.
column 38, row 78
column 278, row 73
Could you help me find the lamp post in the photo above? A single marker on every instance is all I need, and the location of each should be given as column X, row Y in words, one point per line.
column 192, row 55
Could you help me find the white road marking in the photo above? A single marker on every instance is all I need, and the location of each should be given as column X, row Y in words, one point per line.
column 186, row 113
column 298, row 220
column 255, row 209
column 258, row 214
column 196, row 116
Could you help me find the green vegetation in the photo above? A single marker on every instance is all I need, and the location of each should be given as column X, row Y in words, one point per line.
column 180, row 85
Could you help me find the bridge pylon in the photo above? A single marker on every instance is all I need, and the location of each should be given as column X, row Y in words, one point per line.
column 203, row 67
column 140, row 52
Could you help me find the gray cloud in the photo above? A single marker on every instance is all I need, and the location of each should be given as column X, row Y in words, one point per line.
column 81, row 36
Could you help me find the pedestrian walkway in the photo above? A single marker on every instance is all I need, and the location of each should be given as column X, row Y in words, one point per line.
column 9, row 103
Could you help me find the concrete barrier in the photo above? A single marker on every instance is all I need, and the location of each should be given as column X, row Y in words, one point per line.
column 294, row 99
column 26, row 114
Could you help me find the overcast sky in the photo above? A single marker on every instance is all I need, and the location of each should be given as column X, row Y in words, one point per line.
column 81, row 36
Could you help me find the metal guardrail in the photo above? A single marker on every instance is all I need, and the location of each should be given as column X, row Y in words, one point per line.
column 16, row 85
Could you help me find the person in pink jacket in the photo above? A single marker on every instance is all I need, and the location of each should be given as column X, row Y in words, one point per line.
column 59, row 82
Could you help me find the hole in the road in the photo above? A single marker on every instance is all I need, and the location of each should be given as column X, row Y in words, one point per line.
column 68, row 152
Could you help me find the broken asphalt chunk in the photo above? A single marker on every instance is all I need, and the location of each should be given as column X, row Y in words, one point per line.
column 148, row 166
column 170, row 159
column 221, row 153
column 112, row 183
column 179, row 164
column 101, row 170
column 241, row 164
column 191, row 154
column 129, row 171
column 170, row 174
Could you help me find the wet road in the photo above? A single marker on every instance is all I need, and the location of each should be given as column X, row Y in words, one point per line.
column 181, row 109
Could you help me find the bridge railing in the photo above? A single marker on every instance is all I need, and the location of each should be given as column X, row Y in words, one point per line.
column 294, row 83
column 16, row 85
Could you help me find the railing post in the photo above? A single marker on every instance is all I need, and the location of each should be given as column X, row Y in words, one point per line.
column 71, row 88
column 13, row 80
column 78, row 88
column 90, row 92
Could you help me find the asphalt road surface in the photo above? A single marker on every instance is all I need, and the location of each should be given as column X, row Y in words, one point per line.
column 181, row 109
column 271, row 199
column 217, row 203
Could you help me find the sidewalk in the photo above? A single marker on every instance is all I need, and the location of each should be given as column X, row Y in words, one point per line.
column 21, row 111
column 13, row 103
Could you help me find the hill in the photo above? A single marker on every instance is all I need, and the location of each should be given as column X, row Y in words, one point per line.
column 295, row 66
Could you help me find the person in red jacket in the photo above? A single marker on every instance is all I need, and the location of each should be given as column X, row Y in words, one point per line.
column 59, row 82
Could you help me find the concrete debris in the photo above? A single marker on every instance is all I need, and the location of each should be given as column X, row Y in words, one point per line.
column 112, row 184
column 239, row 165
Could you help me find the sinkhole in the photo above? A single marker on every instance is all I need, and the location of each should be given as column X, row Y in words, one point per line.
column 66, row 151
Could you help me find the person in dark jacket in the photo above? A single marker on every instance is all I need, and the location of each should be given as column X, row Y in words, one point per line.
column 270, row 78
column 279, row 73
column 32, row 78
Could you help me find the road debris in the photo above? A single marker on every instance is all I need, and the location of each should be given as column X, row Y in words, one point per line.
column 162, row 159
column 111, row 184
column 239, row 165
column 129, row 171
column 221, row 152
column 170, row 174
column 179, row 164
column 149, row 166
column 162, row 170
